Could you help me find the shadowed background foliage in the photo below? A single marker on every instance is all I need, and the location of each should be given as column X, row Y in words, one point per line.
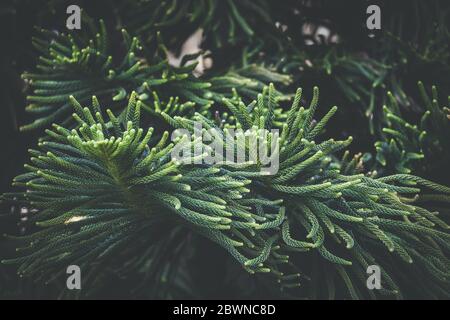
column 372, row 76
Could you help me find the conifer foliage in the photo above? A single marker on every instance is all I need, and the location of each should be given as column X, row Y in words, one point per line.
column 362, row 183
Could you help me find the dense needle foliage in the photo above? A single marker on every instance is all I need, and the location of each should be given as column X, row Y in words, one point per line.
column 363, row 167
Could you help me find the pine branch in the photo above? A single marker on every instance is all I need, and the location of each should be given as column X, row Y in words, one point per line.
column 106, row 185
column 87, row 64
column 351, row 221
column 422, row 146
column 224, row 23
